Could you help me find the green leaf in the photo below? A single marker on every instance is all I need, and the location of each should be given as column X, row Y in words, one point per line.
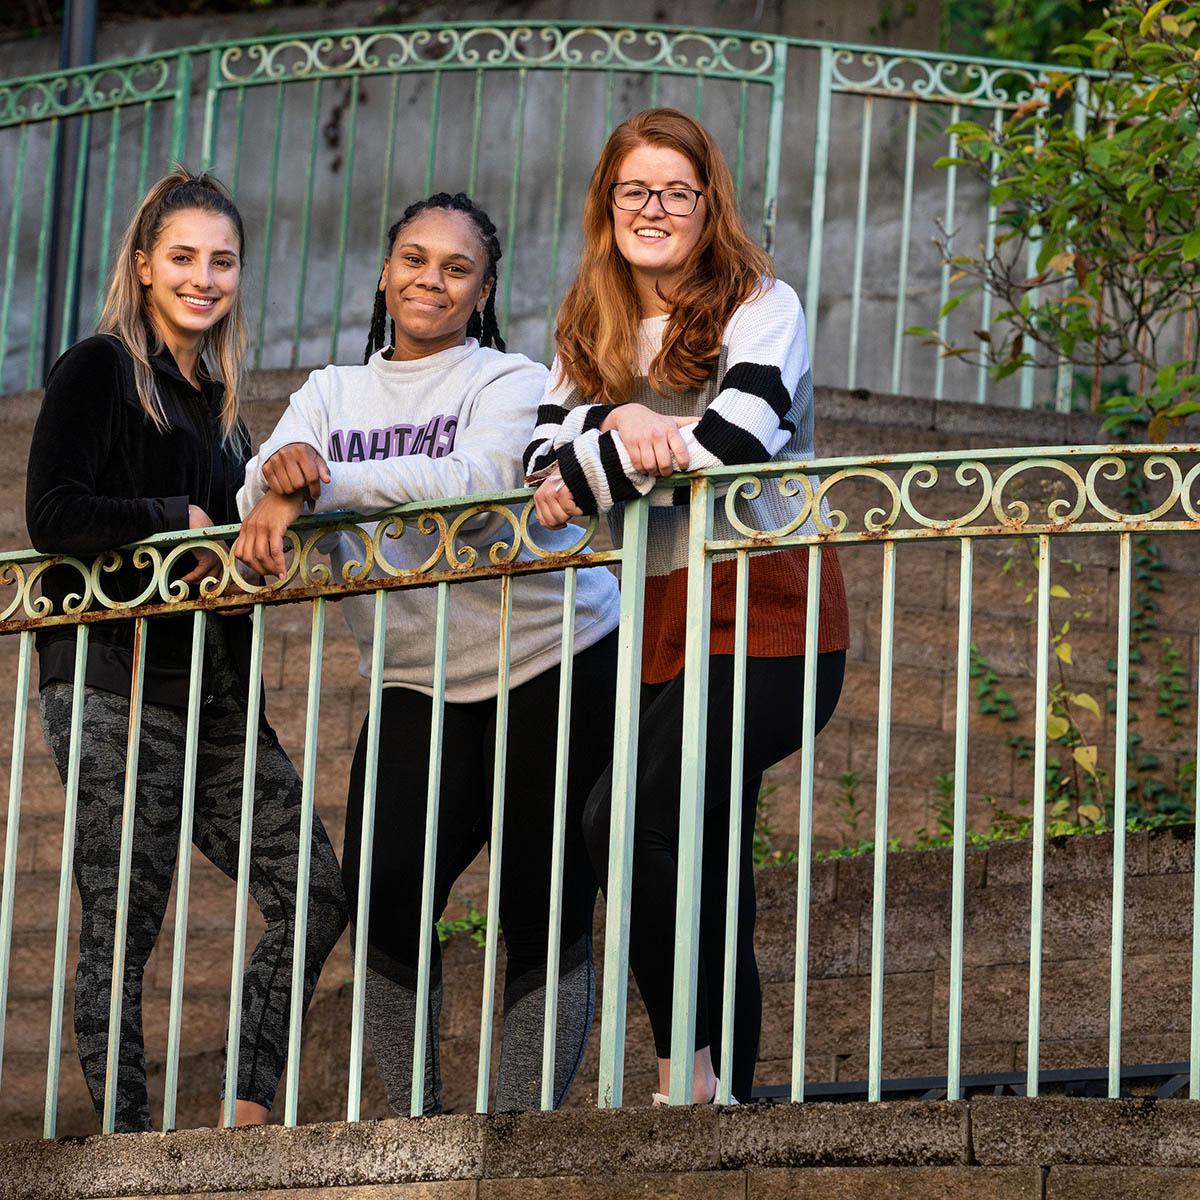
column 1090, row 811
column 1059, row 592
column 1191, row 246
column 1086, row 701
column 1063, row 650
column 1086, row 756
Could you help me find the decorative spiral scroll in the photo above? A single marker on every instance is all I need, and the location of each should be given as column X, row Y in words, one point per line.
column 90, row 89
column 932, row 80
column 720, row 56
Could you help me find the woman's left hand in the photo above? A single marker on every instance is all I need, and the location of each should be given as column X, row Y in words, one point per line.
column 207, row 562
column 554, row 503
column 260, row 543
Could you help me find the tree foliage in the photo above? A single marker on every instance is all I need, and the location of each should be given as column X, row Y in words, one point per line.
column 1097, row 179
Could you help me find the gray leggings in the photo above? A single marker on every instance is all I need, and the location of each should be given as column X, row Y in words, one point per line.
column 266, row 992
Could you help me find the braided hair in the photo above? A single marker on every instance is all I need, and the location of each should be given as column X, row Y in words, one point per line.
column 483, row 326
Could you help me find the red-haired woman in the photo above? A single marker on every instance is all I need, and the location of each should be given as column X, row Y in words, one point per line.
column 678, row 349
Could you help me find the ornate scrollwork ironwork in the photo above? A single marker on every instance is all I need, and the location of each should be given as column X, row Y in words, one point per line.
column 528, row 45
column 488, row 537
column 947, row 81
column 983, row 493
column 90, row 89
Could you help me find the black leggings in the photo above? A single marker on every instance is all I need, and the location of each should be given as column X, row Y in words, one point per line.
column 774, row 702
column 464, row 817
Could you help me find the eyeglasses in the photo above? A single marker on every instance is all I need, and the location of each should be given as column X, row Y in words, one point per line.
column 676, row 201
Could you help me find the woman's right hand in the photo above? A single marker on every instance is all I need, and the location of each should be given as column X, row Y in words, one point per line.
column 207, row 562
column 297, row 467
column 260, row 545
column 652, row 440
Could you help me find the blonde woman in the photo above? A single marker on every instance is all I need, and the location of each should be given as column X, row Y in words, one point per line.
column 139, row 434
column 678, row 349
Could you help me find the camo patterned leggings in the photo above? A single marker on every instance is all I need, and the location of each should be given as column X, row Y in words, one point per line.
column 266, row 992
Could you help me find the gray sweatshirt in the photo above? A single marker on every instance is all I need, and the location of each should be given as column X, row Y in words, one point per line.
column 452, row 424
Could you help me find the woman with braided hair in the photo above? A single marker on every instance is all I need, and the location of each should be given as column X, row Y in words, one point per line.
column 439, row 410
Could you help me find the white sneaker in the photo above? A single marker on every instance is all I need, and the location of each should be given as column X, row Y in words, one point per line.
column 660, row 1099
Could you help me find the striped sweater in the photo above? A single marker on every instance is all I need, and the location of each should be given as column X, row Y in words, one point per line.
column 757, row 406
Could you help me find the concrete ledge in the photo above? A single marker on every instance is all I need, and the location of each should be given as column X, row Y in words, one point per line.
column 596, row 1141
column 1086, row 1183
column 1050, row 1131
column 896, row 1183
column 903, row 1133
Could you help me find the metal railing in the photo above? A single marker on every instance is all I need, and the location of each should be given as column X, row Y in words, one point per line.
column 903, row 500
column 324, row 137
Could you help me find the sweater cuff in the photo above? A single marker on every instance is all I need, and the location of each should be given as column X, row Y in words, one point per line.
column 175, row 513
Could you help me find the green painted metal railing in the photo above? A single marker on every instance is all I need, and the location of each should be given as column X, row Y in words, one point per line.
column 324, row 137
column 851, row 503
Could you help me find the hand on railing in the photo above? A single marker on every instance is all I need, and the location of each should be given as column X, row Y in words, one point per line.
column 207, row 562
column 260, row 543
column 297, row 467
column 554, row 503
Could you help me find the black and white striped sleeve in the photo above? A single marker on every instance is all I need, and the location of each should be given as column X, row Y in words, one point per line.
column 751, row 419
column 558, row 426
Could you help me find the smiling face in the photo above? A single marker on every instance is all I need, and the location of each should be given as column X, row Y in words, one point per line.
column 434, row 279
column 191, row 274
column 654, row 243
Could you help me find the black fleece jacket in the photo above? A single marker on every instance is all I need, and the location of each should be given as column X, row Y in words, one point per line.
column 102, row 475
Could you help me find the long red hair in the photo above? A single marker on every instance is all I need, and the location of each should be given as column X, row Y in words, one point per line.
column 596, row 336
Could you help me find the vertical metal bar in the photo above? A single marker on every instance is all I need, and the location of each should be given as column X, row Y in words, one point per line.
column 1120, row 786
column 989, row 248
column 883, row 758
column 306, row 211
column 63, row 921
column 698, row 96
column 898, row 339
column 1062, row 383
column 476, row 123
column 239, row 123
column 435, row 109
column 816, row 234
column 962, row 717
column 269, row 223
column 124, row 878
column 212, row 109
column 343, row 231
column 610, row 83
column 366, row 853
column 562, row 758
column 183, row 96
column 611, row 1074
column 513, row 193
column 184, row 868
column 389, row 156
column 733, row 869
column 1194, row 1055
column 144, row 147
column 775, row 151
column 43, row 245
column 939, row 370
column 308, row 784
column 495, row 851
column 110, row 178
column 556, row 227
column 655, row 82
column 1037, row 873
column 242, row 894
column 739, row 162
column 860, row 237
column 691, row 793
column 1035, row 241
column 429, row 861
column 16, row 775
column 14, row 230
column 67, row 315
column 805, row 838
